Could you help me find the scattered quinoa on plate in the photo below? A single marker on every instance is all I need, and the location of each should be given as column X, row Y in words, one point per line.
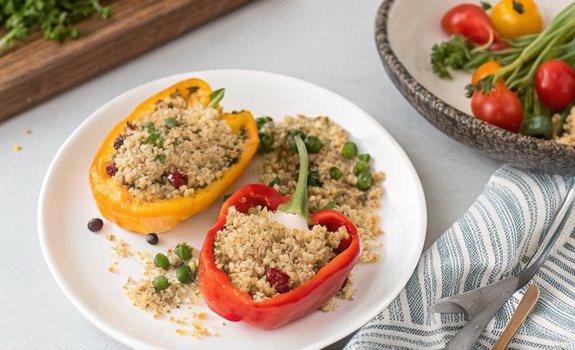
column 169, row 282
column 337, row 177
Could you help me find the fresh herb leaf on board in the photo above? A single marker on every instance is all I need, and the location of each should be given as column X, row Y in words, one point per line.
column 55, row 18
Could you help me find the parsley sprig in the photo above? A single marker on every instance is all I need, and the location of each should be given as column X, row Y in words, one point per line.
column 55, row 18
column 454, row 53
column 154, row 135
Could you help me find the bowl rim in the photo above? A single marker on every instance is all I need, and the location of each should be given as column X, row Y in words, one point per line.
column 478, row 134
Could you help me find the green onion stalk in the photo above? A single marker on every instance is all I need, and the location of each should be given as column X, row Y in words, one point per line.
column 295, row 213
column 557, row 41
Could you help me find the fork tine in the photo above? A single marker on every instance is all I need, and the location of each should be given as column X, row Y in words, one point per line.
column 446, row 306
column 475, row 301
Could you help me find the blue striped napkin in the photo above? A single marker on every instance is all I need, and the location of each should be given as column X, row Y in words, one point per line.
column 492, row 240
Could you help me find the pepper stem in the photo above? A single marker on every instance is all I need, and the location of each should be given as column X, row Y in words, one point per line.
column 297, row 204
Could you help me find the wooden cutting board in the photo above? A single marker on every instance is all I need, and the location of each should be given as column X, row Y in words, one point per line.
column 37, row 69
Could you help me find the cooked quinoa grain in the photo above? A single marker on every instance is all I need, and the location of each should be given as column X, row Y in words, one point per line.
column 175, row 151
column 252, row 243
column 280, row 167
column 144, row 295
column 567, row 135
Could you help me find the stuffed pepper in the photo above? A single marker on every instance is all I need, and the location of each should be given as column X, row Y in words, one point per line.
column 267, row 261
column 171, row 158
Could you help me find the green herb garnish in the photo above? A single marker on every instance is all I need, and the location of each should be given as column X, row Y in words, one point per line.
column 154, row 136
column 454, row 53
column 485, row 5
column 171, row 123
column 216, row 97
column 330, row 205
column 54, row 17
column 262, row 121
column 266, row 143
column 275, row 181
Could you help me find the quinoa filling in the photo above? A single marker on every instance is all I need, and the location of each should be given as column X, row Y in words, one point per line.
column 175, row 151
column 564, row 132
column 333, row 181
column 264, row 258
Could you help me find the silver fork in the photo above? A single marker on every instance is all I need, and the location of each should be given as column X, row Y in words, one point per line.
column 482, row 304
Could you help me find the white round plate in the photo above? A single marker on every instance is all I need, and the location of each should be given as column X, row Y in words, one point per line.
column 79, row 259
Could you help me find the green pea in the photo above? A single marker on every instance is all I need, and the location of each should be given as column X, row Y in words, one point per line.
column 349, row 150
column 335, row 173
column 275, row 181
column 360, row 166
column 313, row 144
column 313, row 179
column 184, row 274
column 364, row 180
column 266, row 143
column 183, row 251
column 160, row 260
column 366, row 157
column 291, row 139
column 160, row 283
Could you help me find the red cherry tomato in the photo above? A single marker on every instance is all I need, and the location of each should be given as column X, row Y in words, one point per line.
column 471, row 21
column 500, row 107
column 555, row 84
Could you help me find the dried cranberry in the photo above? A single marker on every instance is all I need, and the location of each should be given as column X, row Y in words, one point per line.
column 111, row 169
column 278, row 279
column 95, row 224
column 177, row 179
column 131, row 126
column 118, row 142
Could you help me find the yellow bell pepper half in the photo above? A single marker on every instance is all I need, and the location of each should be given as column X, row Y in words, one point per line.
column 115, row 202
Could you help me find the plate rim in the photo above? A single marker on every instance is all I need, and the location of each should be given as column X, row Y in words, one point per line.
column 135, row 342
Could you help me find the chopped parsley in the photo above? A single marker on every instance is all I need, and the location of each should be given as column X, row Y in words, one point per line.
column 154, row 136
column 171, row 123
column 454, row 53
column 56, row 18
column 275, row 181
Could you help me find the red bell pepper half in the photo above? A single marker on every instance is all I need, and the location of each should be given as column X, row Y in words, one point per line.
column 235, row 305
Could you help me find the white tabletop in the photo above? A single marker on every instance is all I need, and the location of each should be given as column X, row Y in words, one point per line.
column 328, row 42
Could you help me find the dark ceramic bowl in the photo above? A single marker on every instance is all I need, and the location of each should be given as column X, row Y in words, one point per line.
column 516, row 149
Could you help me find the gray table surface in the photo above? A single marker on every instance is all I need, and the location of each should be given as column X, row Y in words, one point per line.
column 328, row 42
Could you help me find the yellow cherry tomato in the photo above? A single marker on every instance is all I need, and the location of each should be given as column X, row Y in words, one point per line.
column 487, row 68
column 514, row 18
